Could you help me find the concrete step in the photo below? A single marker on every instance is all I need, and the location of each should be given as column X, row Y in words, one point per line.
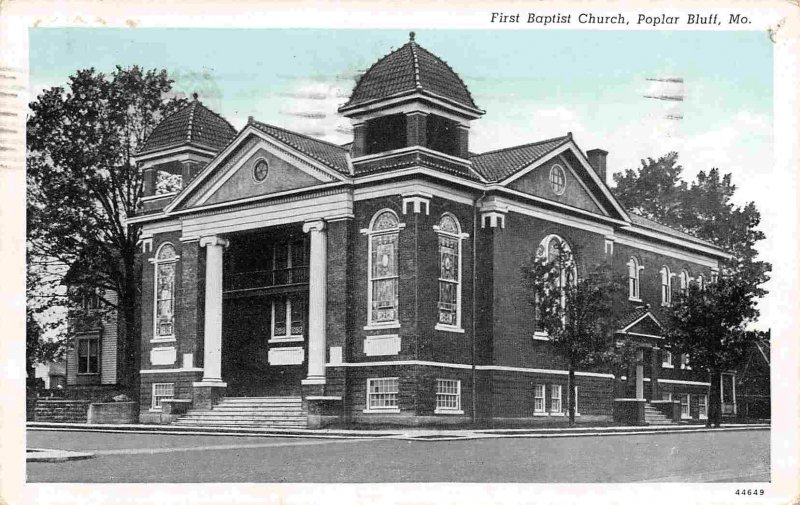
column 272, row 399
column 243, row 424
column 242, row 418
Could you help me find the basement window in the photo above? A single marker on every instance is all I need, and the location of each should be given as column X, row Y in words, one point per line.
column 161, row 391
column 382, row 394
column 448, row 396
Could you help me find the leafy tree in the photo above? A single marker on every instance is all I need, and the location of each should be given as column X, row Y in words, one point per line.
column 710, row 325
column 703, row 209
column 82, row 182
column 577, row 313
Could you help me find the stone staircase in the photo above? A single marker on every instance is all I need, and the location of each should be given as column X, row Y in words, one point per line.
column 653, row 416
column 264, row 412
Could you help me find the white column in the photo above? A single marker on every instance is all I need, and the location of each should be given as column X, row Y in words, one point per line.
column 317, row 301
column 212, row 348
column 639, row 374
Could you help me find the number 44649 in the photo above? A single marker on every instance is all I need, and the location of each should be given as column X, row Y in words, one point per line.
column 750, row 492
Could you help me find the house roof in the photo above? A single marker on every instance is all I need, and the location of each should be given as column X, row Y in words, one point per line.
column 410, row 68
column 634, row 315
column 329, row 154
column 662, row 228
column 194, row 124
column 497, row 165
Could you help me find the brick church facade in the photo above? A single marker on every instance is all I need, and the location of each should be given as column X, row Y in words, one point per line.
column 379, row 281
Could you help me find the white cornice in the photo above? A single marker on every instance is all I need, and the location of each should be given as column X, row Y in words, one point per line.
column 173, row 152
column 404, row 96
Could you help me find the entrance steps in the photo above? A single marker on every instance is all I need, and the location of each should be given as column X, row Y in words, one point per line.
column 653, row 416
column 248, row 412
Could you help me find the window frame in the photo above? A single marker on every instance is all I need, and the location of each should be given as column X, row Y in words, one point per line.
column 687, row 405
column 634, row 282
column 371, row 234
column 459, row 237
column 701, row 282
column 287, row 305
column 684, row 282
column 537, row 388
column 702, row 406
column 378, row 408
column 563, row 174
column 155, row 403
column 666, row 359
column 666, row 286
column 543, row 249
column 157, row 263
column 90, row 339
column 668, row 395
column 553, row 399
column 444, row 409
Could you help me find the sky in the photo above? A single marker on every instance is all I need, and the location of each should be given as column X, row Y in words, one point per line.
column 532, row 84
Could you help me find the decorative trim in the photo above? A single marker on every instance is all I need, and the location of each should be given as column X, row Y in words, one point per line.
column 417, row 200
column 451, row 329
column 466, row 366
column 646, row 314
column 382, row 345
column 172, row 370
column 214, row 240
column 329, row 398
column 666, row 250
column 163, row 356
column 286, row 356
column 688, row 383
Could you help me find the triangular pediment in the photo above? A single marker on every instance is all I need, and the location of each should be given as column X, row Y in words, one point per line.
column 646, row 325
column 582, row 187
column 232, row 176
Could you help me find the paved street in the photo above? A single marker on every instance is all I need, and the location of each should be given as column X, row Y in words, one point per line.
column 741, row 456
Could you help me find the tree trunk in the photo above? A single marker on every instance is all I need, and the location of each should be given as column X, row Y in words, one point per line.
column 715, row 400
column 571, row 394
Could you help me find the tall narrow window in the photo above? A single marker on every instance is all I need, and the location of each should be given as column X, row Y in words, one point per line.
column 165, row 266
column 666, row 286
column 383, row 275
column 548, row 251
column 450, row 237
column 538, row 398
column 684, row 282
column 555, row 398
column 633, row 279
column 701, row 282
column 702, row 401
column 685, row 413
column 666, row 358
column 88, row 356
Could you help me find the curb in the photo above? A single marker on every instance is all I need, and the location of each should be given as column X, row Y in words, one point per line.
column 54, row 456
column 415, row 435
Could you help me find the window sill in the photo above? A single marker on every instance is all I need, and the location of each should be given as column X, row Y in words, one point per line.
column 395, row 410
column 664, row 365
column 557, row 414
column 382, row 326
column 154, row 410
column 448, row 412
column 686, row 417
column 703, row 417
column 541, row 336
column 540, row 414
column 637, row 300
column 163, row 340
column 278, row 340
column 451, row 329
column 87, row 374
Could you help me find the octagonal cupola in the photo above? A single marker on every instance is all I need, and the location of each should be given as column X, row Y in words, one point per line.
column 410, row 108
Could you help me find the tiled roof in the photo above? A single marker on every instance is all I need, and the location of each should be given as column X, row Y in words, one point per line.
column 497, row 165
column 194, row 124
column 410, row 68
column 634, row 315
column 662, row 228
column 326, row 153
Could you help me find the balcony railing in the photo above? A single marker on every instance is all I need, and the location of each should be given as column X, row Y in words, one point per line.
column 265, row 278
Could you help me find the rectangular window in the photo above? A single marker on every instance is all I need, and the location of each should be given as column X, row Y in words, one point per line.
column 161, row 391
column 538, row 398
column 576, row 399
column 382, row 393
column 88, row 355
column 279, row 317
column 685, row 407
column 165, row 293
column 666, row 396
column 555, row 398
column 685, row 361
column 666, row 359
column 702, row 401
column 448, row 395
column 384, row 278
column 297, row 312
column 448, row 280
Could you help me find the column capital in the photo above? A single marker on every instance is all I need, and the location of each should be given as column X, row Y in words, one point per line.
column 214, row 240
column 316, row 225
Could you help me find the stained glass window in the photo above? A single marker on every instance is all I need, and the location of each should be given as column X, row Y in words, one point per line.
column 449, row 271
column 383, row 268
column 165, row 291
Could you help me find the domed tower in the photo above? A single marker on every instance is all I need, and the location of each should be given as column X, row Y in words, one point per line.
column 410, row 109
column 178, row 148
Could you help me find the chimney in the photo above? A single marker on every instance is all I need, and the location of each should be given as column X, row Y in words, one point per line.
column 597, row 159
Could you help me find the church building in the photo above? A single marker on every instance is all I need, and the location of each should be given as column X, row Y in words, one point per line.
column 291, row 282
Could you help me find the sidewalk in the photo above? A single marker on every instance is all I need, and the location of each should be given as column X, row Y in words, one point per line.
column 418, row 434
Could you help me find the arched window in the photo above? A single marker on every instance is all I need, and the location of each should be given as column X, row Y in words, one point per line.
column 165, row 265
column 450, row 237
column 383, row 273
column 666, row 286
column 684, row 282
column 701, row 282
column 548, row 251
column 633, row 279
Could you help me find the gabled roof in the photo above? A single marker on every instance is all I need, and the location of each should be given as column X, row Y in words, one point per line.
column 194, row 124
column 407, row 69
column 329, row 154
column 636, row 317
column 496, row 165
